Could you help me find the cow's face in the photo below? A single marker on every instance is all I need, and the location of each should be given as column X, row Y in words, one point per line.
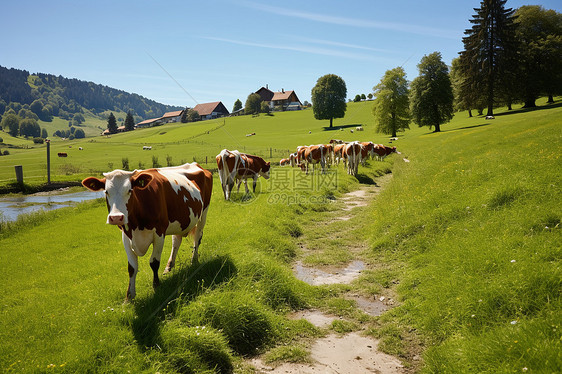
column 118, row 186
column 264, row 171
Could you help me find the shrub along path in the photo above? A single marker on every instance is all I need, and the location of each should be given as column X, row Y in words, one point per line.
column 332, row 256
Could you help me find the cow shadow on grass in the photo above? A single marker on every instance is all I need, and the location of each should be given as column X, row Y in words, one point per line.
column 365, row 179
column 182, row 285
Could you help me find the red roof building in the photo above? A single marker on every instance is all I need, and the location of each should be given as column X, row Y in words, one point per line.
column 211, row 110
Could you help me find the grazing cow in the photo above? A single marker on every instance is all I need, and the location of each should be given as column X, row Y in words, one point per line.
column 352, row 152
column 490, row 117
column 336, row 141
column 62, row 154
column 329, row 153
column 368, row 151
column 338, row 153
column 147, row 148
column 359, row 128
column 235, row 166
column 381, row 151
column 149, row 204
column 285, row 162
column 228, row 163
column 314, row 154
column 293, row 159
column 254, row 167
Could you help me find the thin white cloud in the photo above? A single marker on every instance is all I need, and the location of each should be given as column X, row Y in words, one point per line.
column 354, row 22
column 301, row 48
column 338, row 44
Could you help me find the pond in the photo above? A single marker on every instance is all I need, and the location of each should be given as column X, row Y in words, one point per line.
column 11, row 207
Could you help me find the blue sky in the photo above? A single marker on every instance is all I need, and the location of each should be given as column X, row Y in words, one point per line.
column 189, row 52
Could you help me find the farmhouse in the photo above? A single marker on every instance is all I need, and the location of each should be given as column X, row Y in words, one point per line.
column 211, row 110
column 283, row 100
column 168, row 117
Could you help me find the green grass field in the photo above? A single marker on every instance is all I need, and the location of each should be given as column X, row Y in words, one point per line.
column 468, row 232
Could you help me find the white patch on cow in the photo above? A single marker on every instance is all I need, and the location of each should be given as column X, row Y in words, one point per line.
column 178, row 180
column 142, row 239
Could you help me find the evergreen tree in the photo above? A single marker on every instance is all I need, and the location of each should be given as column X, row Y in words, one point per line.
column 432, row 93
column 328, row 98
column 490, row 48
column 392, row 106
column 237, row 105
column 111, row 123
column 129, row 122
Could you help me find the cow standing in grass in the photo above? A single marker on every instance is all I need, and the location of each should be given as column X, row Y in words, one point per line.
column 239, row 167
column 149, row 204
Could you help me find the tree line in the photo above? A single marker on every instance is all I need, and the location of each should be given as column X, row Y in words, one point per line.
column 510, row 56
column 47, row 95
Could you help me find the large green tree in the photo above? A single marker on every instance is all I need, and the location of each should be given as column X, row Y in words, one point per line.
column 328, row 98
column 490, row 48
column 11, row 123
column 111, row 123
column 432, row 93
column 540, row 33
column 392, row 105
column 253, row 104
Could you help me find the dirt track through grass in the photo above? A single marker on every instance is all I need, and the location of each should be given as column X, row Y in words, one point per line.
column 350, row 352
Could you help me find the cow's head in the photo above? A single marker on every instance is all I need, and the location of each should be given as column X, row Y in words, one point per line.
column 264, row 171
column 118, row 186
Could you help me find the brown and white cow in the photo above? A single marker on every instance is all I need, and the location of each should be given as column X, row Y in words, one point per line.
column 312, row 155
column 338, row 153
column 235, row 166
column 352, row 153
column 381, row 151
column 285, row 162
column 149, row 204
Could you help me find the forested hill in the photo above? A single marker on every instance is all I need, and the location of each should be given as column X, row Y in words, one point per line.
column 48, row 95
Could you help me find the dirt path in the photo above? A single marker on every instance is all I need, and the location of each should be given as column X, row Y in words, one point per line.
column 350, row 353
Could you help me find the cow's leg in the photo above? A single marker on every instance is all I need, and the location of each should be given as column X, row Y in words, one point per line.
column 246, row 186
column 198, row 235
column 255, row 181
column 176, row 241
column 133, row 268
column 157, row 246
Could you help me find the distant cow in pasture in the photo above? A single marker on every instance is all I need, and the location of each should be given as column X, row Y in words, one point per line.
column 359, row 128
column 381, row 151
column 239, row 167
column 147, row 205
column 146, row 148
column 80, row 148
column 490, row 117
column 285, row 162
column 62, row 154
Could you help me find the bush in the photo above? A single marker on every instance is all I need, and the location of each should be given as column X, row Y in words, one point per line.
column 125, row 163
column 247, row 324
column 155, row 163
column 1, row 140
column 196, row 349
column 38, row 140
column 6, row 152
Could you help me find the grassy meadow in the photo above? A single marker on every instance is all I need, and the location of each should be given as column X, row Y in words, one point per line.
column 467, row 235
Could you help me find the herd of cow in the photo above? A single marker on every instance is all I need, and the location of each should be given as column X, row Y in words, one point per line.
column 149, row 204
column 350, row 153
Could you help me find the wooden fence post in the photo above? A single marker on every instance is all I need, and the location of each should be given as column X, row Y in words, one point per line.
column 19, row 174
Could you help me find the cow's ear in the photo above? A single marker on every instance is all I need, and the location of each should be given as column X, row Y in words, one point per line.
column 141, row 181
column 94, row 184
